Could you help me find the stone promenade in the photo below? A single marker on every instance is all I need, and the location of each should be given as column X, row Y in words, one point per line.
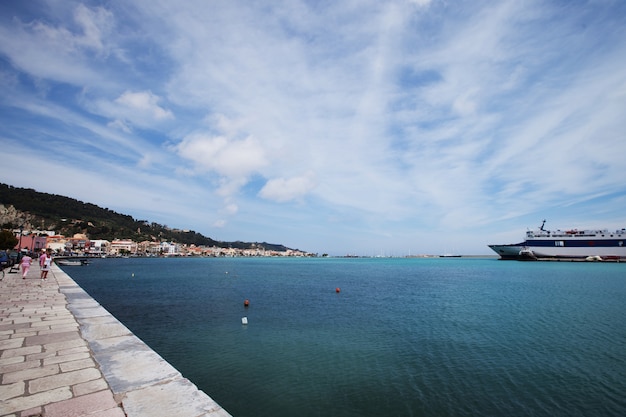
column 64, row 355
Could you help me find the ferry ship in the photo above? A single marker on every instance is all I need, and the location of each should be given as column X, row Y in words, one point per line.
column 542, row 243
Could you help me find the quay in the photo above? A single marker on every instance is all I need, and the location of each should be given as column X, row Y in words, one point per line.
column 63, row 355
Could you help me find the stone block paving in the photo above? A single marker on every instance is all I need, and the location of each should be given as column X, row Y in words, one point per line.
column 63, row 355
column 46, row 367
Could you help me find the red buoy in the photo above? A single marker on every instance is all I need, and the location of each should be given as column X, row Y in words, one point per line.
column 337, row 289
column 246, row 303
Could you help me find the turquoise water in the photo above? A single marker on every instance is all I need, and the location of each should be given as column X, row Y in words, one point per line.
column 403, row 337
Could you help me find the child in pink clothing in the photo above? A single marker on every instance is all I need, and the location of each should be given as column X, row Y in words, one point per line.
column 25, row 265
column 44, row 262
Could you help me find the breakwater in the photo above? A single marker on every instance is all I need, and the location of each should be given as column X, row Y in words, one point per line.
column 62, row 353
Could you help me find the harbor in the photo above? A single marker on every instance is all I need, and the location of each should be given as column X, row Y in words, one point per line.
column 62, row 354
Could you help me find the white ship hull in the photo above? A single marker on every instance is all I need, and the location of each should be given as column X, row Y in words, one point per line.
column 507, row 251
column 567, row 244
column 609, row 253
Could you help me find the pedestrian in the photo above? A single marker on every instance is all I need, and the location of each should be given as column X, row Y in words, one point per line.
column 42, row 257
column 45, row 261
column 25, row 265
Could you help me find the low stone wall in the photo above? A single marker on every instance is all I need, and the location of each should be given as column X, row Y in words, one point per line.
column 142, row 381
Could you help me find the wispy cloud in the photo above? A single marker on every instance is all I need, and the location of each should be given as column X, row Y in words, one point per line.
column 353, row 126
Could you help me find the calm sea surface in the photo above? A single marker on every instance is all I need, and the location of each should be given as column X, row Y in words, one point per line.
column 403, row 337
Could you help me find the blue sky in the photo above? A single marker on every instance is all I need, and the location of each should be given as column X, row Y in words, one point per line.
column 362, row 127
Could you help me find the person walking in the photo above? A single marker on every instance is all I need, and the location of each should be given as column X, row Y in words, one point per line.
column 45, row 261
column 25, row 265
column 42, row 256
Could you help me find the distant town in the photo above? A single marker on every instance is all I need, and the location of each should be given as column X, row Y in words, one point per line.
column 35, row 241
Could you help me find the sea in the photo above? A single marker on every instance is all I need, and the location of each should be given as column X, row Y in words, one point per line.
column 380, row 336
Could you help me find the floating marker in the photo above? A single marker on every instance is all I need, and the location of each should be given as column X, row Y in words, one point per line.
column 246, row 302
column 337, row 290
column 244, row 320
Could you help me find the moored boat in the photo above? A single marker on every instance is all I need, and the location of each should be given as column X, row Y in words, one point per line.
column 72, row 262
column 527, row 255
column 572, row 243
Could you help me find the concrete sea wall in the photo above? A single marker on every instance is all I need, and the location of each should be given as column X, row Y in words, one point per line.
column 140, row 379
column 62, row 353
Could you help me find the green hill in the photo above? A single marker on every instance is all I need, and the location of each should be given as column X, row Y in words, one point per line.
column 68, row 216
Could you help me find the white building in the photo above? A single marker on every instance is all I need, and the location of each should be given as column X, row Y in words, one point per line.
column 99, row 247
column 123, row 246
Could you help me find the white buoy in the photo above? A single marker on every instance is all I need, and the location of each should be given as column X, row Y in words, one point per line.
column 244, row 320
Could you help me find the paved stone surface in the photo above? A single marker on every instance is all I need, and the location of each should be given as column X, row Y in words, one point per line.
column 64, row 355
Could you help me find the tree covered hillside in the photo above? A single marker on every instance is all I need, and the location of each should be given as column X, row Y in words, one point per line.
column 67, row 216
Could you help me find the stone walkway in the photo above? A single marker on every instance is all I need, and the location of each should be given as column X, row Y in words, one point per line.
column 64, row 355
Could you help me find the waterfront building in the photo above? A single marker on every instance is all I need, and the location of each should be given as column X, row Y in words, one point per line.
column 123, row 246
column 98, row 247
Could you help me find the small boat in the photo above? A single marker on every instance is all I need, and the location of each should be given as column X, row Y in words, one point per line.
column 72, row 262
column 527, row 255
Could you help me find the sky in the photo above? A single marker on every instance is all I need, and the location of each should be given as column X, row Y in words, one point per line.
column 392, row 128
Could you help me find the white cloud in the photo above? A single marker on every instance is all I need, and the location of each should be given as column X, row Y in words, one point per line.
column 282, row 189
column 421, row 3
column 231, row 208
column 119, row 124
column 58, row 53
column 94, row 23
column 144, row 102
column 231, row 158
column 219, row 223
column 132, row 109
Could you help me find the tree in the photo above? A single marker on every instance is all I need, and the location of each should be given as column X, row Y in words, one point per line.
column 7, row 240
